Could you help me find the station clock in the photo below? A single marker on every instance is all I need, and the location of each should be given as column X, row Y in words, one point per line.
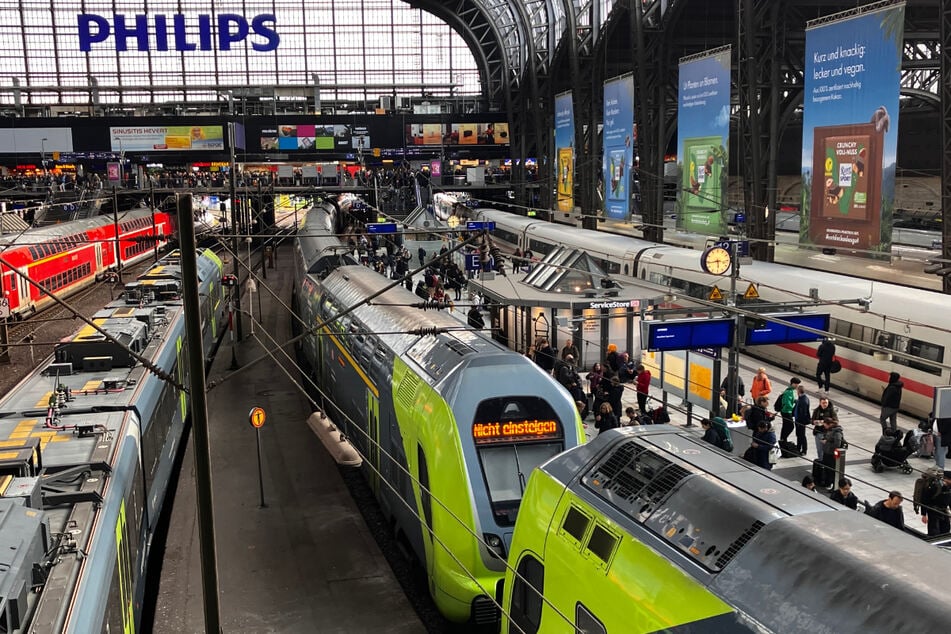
column 716, row 261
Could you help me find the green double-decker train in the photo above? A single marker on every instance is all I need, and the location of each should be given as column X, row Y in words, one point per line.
column 650, row 529
column 450, row 423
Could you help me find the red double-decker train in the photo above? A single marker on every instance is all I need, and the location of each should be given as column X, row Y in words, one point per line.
column 67, row 257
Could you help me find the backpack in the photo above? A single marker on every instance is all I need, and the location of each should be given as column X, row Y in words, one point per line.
column 923, row 485
column 723, row 433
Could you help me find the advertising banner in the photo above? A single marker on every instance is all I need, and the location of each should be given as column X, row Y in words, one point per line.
column 850, row 128
column 288, row 137
column 167, row 138
column 564, row 150
column 703, row 133
column 618, row 137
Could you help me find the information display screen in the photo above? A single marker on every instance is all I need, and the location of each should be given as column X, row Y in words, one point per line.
column 687, row 334
column 515, row 431
column 771, row 333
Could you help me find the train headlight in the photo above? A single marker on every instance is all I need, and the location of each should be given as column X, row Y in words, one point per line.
column 495, row 543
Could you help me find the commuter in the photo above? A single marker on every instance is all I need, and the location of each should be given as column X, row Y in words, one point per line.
column 516, row 260
column 570, row 350
column 834, row 439
column 595, row 376
column 761, row 385
column 632, row 418
column 764, row 440
column 786, row 406
column 613, row 359
column 942, row 441
column 643, row 387
column 758, row 412
column 844, row 496
column 605, row 419
column 740, row 390
column 935, row 503
column 710, row 435
column 421, row 253
column 889, row 510
column 627, row 370
column 808, row 482
column 582, row 408
column 891, row 401
column 826, row 355
column 802, row 416
column 544, row 354
column 475, row 319
column 615, row 393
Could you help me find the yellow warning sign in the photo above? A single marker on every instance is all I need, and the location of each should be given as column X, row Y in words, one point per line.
column 715, row 294
column 751, row 292
column 257, row 417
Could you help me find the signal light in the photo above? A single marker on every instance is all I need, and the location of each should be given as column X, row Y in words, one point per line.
column 229, row 280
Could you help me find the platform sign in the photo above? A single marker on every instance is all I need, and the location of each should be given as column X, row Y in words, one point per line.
column 687, row 334
column 473, row 263
column 256, row 417
column 381, row 227
column 771, row 333
column 742, row 247
column 4, row 308
column 477, row 225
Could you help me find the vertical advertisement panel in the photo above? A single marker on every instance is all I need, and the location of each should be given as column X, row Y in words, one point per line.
column 564, row 151
column 618, row 157
column 703, row 133
column 850, row 129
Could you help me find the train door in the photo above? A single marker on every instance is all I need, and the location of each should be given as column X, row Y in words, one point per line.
column 98, row 256
column 373, row 448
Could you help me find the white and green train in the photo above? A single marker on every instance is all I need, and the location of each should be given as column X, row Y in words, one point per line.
column 650, row 529
column 450, row 424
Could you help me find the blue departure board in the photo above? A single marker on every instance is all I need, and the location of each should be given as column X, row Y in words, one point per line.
column 687, row 334
column 771, row 333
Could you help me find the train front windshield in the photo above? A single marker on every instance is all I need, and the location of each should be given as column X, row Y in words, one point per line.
column 513, row 435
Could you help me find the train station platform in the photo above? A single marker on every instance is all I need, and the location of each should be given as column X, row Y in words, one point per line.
column 304, row 562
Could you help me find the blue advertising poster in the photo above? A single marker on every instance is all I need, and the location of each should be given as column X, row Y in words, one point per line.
column 618, row 157
column 850, row 129
column 703, row 133
column 564, row 151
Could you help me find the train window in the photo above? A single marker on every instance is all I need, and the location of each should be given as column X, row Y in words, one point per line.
column 34, row 253
column 575, row 524
column 602, row 543
column 528, row 588
column 587, row 622
column 424, row 495
column 540, row 247
column 505, row 431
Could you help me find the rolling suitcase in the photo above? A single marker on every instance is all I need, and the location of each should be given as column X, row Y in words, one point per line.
column 818, row 474
column 926, row 445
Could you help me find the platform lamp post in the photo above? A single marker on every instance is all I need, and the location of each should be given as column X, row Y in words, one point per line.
column 232, row 194
column 733, row 359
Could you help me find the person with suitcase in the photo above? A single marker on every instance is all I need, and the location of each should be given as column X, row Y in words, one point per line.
column 834, row 439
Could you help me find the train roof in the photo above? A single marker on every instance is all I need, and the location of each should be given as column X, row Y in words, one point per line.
column 774, row 280
column 395, row 313
column 66, row 229
column 793, row 560
column 318, row 246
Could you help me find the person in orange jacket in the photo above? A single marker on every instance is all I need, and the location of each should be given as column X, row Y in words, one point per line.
column 761, row 385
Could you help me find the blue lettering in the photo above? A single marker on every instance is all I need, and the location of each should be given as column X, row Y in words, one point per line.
column 264, row 26
column 204, row 32
column 231, row 28
column 140, row 32
column 86, row 37
column 225, row 35
column 161, row 33
column 181, row 43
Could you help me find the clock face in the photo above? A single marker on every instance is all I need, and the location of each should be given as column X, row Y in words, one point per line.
column 716, row 261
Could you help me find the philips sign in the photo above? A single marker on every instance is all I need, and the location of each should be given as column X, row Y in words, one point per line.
column 171, row 32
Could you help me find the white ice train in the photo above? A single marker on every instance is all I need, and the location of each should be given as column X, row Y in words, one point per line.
column 899, row 318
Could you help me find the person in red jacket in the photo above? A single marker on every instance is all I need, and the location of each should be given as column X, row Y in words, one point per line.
column 643, row 387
